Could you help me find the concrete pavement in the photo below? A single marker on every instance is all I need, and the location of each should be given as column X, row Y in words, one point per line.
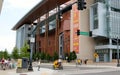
column 43, row 71
column 46, row 71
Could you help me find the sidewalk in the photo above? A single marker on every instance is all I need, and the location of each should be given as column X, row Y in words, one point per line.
column 46, row 71
column 43, row 71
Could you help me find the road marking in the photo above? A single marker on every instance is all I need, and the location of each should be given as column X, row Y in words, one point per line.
column 44, row 73
column 23, row 74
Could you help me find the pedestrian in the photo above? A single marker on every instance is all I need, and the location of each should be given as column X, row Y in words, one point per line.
column 3, row 63
column 39, row 62
column 60, row 62
column 86, row 61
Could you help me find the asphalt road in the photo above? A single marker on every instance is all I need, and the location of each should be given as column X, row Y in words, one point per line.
column 73, row 67
column 84, row 70
column 102, row 73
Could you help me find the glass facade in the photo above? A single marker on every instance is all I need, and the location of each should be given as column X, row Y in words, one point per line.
column 22, row 36
column 107, row 51
column 51, row 24
column 114, row 18
column 114, row 23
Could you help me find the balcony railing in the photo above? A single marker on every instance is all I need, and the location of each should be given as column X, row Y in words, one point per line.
column 106, row 47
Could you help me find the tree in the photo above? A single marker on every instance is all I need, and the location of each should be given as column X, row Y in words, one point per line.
column 5, row 54
column 1, row 54
column 15, row 53
column 24, row 52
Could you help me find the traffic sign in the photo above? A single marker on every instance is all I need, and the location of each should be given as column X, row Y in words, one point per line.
column 96, row 55
column 84, row 33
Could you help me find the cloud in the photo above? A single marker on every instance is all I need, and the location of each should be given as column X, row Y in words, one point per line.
column 25, row 4
column 12, row 8
column 7, row 42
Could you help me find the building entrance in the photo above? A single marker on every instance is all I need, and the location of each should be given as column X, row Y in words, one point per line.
column 61, row 55
column 103, row 55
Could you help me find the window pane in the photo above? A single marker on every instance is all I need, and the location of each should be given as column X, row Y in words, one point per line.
column 96, row 24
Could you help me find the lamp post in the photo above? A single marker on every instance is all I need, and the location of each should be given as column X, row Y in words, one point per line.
column 118, row 53
column 32, row 40
column 118, row 62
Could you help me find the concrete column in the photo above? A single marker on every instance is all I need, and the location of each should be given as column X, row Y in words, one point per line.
column 110, row 52
column 110, row 55
column 110, row 41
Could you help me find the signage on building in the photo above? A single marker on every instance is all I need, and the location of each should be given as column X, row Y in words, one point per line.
column 75, row 18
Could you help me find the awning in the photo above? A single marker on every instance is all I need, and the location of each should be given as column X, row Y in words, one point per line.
column 39, row 10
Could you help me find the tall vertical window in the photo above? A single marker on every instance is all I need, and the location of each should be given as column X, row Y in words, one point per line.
column 95, row 10
column 95, row 17
column 103, row 1
column 95, row 24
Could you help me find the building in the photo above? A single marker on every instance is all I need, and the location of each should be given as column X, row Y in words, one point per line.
column 82, row 44
column 1, row 2
column 105, row 25
column 53, row 33
column 41, row 17
column 22, row 35
column 55, row 38
column 56, row 34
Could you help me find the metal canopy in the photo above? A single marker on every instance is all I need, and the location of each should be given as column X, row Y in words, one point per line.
column 39, row 10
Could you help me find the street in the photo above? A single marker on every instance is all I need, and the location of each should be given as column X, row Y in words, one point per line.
column 102, row 73
column 85, row 70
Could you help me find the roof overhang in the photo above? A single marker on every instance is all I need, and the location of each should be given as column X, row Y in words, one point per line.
column 39, row 10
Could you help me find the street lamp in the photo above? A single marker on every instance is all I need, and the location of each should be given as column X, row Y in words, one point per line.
column 118, row 62
column 118, row 53
column 32, row 40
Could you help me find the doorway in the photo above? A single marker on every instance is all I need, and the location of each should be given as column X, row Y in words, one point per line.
column 61, row 51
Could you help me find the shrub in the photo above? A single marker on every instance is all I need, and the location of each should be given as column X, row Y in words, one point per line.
column 43, row 56
column 36, row 56
column 55, row 56
column 72, row 55
column 48, row 57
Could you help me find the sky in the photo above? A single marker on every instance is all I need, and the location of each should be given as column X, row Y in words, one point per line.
column 12, row 12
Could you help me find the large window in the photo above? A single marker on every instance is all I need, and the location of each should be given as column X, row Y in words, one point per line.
column 95, row 10
column 95, row 18
column 115, row 9
column 103, row 1
column 114, row 54
column 52, row 24
column 42, row 29
column 96, row 24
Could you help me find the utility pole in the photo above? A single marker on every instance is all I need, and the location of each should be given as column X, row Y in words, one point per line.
column 117, row 41
column 118, row 53
column 32, row 40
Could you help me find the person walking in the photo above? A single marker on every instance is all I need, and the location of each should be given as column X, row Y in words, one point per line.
column 39, row 62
